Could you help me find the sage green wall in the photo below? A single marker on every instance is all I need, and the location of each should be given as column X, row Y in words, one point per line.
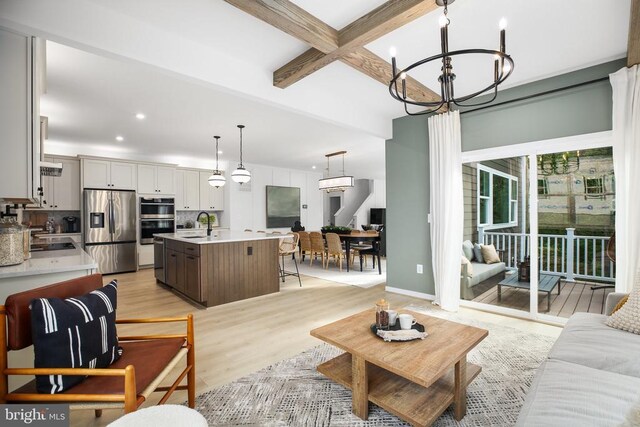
column 573, row 112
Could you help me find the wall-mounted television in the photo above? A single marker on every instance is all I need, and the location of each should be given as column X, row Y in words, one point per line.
column 283, row 206
column 377, row 216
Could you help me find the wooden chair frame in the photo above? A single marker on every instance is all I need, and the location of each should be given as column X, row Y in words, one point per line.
column 129, row 397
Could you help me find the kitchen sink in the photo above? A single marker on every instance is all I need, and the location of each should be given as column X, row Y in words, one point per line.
column 193, row 237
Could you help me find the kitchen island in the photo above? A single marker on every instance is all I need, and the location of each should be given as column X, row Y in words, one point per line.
column 46, row 268
column 224, row 267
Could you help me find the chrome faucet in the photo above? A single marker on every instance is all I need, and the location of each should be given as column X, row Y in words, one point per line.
column 208, row 221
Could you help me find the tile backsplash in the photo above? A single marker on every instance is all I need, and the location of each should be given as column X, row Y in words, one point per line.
column 183, row 216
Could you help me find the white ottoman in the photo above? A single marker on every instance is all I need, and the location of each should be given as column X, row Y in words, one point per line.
column 162, row 416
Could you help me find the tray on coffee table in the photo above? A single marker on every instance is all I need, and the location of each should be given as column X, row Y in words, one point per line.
column 418, row 327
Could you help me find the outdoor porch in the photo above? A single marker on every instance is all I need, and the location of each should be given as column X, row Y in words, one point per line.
column 574, row 297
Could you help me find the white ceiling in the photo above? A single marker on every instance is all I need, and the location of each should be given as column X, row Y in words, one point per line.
column 199, row 67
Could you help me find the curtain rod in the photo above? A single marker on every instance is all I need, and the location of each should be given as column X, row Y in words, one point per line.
column 535, row 95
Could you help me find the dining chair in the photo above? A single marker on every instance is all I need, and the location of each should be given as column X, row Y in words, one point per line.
column 305, row 244
column 334, row 249
column 146, row 360
column 288, row 246
column 317, row 247
column 355, row 248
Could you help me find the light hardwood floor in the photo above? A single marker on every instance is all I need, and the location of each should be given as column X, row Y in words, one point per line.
column 236, row 339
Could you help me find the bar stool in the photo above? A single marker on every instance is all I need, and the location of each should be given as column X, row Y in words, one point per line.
column 288, row 246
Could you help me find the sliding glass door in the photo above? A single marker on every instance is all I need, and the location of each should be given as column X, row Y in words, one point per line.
column 539, row 228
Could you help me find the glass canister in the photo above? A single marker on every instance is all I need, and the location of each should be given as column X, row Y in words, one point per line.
column 382, row 317
column 11, row 242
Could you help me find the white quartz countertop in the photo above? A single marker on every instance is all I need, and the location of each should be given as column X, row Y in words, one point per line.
column 217, row 236
column 46, row 262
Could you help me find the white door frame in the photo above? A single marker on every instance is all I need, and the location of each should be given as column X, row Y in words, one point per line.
column 532, row 150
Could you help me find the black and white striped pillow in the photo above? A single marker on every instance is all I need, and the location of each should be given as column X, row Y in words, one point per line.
column 77, row 332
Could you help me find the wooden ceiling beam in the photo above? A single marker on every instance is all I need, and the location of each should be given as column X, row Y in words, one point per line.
column 293, row 20
column 377, row 68
column 633, row 45
column 386, row 18
column 329, row 45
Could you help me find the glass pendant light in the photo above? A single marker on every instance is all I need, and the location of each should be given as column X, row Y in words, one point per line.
column 241, row 175
column 217, row 179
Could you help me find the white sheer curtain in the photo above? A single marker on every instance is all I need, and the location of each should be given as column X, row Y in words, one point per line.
column 626, row 165
column 447, row 211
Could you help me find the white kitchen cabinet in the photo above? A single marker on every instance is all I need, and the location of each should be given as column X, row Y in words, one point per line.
column 187, row 190
column 62, row 193
column 19, row 116
column 211, row 198
column 109, row 175
column 156, row 179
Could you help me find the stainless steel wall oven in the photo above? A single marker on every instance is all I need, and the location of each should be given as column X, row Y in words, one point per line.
column 157, row 215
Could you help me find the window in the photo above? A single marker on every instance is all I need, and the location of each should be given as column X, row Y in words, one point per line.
column 594, row 188
column 497, row 198
column 543, row 188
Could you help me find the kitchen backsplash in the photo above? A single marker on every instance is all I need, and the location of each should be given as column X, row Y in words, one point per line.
column 183, row 216
column 38, row 218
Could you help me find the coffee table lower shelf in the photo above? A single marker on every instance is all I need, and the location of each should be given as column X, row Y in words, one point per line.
column 411, row 402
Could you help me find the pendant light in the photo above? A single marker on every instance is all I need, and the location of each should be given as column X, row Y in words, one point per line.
column 241, row 175
column 217, row 179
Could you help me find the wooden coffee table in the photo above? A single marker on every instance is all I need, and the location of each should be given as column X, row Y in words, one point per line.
column 414, row 380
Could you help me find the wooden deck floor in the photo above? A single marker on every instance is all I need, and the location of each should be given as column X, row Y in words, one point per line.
column 574, row 297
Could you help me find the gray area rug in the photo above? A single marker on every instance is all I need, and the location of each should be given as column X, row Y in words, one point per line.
column 292, row 393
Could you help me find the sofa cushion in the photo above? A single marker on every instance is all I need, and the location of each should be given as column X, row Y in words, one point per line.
column 489, row 254
column 628, row 317
column 588, row 341
column 482, row 272
column 76, row 332
column 567, row 394
column 467, row 248
column 477, row 252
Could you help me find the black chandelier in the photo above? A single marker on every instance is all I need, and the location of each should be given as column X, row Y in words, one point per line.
column 559, row 163
column 502, row 69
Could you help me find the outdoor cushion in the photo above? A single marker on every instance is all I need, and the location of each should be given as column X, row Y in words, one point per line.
column 467, row 248
column 482, row 272
column 75, row 332
column 587, row 340
column 567, row 394
column 466, row 262
column 489, row 254
column 477, row 252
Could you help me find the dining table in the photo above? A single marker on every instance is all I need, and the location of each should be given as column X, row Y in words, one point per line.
column 359, row 236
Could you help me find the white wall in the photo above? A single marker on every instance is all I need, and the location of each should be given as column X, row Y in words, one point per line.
column 247, row 209
column 378, row 199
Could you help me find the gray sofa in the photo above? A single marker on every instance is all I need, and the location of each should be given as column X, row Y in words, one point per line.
column 479, row 273
column 590, row 378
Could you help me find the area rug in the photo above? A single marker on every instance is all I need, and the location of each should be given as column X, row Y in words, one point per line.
column 364, row 279
column 292, row 393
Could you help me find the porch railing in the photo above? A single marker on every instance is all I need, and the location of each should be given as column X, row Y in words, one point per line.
column 568, row 255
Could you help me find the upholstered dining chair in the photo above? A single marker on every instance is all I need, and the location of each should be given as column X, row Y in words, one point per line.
column 288, row 246
column 145, row 362
column 305, row 244
column 355, row 248
column 317, row 247
column 334, row 249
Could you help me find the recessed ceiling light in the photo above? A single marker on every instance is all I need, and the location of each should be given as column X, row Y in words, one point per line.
column 119, row 138
column 140, row 116
column 313, row 167
column 219, row 151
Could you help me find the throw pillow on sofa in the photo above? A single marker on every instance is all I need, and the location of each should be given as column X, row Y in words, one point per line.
column 477, row 252
column 490, row 254
column 77, row 332
column 627, row 318
column 467, row 248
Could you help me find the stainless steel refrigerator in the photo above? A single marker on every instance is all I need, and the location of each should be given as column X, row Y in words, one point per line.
column 110, row 229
